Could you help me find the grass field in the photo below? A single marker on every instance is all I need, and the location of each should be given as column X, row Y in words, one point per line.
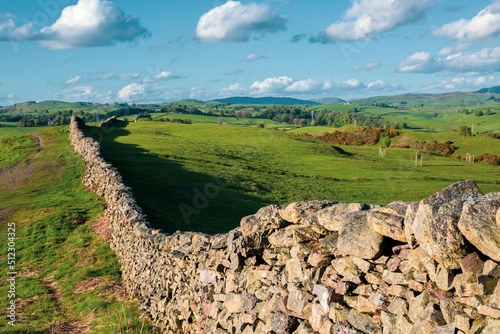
column 14, row 131
column 238, row 170
column 68, row 279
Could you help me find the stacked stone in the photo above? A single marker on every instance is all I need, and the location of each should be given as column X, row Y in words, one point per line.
column 313, row 267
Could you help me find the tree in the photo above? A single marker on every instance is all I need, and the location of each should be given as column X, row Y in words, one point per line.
column 478, row 113
column 384, row 139
column 464, row 131
column 261, row 125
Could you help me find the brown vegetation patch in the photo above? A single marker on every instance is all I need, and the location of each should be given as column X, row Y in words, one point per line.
column 445, row 148
column 15, row 176
column 89, row 285
column 358, row 137
column 102, row 226
column 489, row 159
column 81, row 326
column 21, row 175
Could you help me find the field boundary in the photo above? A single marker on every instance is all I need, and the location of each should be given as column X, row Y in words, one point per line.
column 305, row 266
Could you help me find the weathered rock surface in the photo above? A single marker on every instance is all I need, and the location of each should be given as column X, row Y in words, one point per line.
column 357, row 238
column 311, row 267
column 435, row 224
column 479, row 224
column 388, row 222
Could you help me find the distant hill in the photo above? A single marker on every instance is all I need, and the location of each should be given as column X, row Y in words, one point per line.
column 444, row 100
column 329, row 100
column 286, row 101
column 50, row 106
column 494, row 90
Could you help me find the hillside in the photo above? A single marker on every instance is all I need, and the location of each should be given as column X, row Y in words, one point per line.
column 68, row 279
column 49, row 106
column 329, row 100
column 493, row 90
column 286, row 101
column 454, row 99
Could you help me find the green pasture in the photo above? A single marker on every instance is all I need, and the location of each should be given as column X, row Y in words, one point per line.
column 237, row 170
column 14, row 131
column 67, row 275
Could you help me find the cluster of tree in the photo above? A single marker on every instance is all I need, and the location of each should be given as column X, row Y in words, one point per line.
column 302, row 117
column 359, row 136
column 144, row 117
column 489, row 159
column 445, row 148
column 57, row 118
column 464, row 130
column 493, row 135
column 174, row 120
column 181, row 109
column 476, row 112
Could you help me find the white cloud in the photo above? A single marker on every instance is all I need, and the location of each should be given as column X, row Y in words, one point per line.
column 419, row 62
column 236, row 22
column 234, row 72
column 351, row 83
column 254, row 56
column 233, row 90
column 367, row 65
column 148, row 93
column 8, row 100
column 163, row 76
column 270, row 85
column 133, row 92
column 483, row 61
column 312, row 87
column 89, row 23
column 82, row 93
column 463, row 83
column 74, row 81
column 366, row 17
column 6, row 23
column 380, row 85
column 306, row 85
column 119, row 77
column 484, row 25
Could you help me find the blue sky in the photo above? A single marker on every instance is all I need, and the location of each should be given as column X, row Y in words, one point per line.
column 152, row 51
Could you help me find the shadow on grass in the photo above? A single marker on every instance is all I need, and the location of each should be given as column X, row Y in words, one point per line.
column 174, row 197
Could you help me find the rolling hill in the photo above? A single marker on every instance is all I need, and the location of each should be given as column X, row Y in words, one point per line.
column 494, row 90
column 287, row 101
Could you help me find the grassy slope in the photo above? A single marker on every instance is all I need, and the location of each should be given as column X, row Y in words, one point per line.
column 14, row 131
column 165, row 163
column 68, row 278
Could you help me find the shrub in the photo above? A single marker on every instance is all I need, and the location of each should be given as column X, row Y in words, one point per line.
column 490, row 159
column 359, row 136
column 445, row 148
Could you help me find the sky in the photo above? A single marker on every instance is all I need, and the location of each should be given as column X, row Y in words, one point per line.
column 152, row 51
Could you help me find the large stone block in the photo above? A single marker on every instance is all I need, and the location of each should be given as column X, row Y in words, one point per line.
column 479, row 224
column 436, row 223
column 357, row 238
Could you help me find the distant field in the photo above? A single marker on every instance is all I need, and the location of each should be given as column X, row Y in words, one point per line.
column 245, row 168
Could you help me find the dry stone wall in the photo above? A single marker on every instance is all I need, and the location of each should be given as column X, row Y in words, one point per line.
column 312, row 267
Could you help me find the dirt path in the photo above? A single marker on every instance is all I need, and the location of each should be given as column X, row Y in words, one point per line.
column 40, row 143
